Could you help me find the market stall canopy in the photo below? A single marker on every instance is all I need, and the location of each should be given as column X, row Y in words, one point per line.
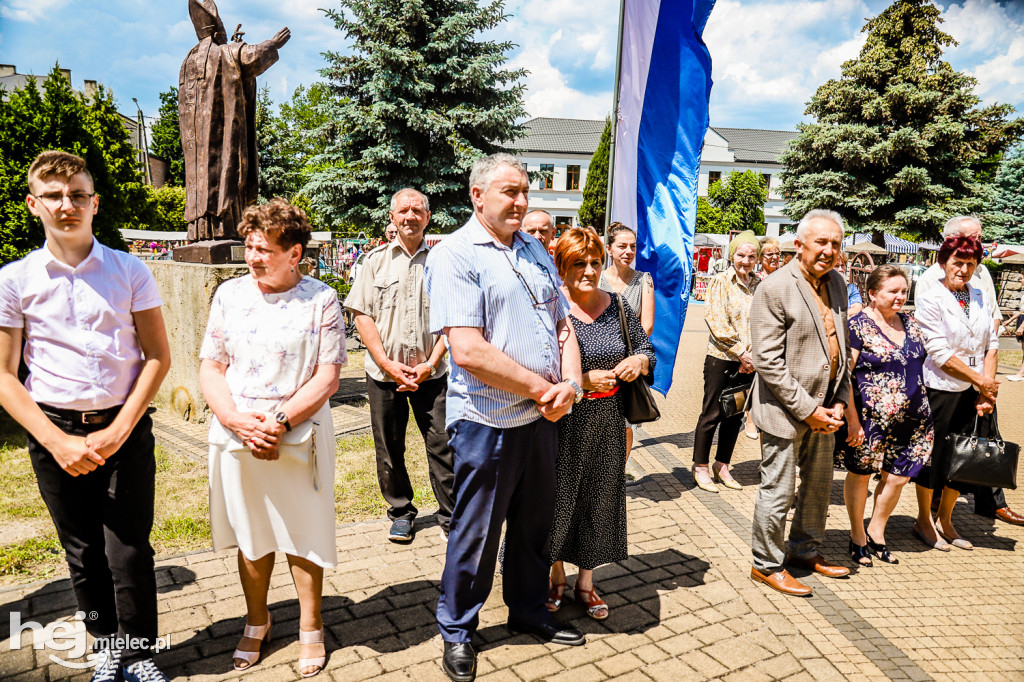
column 1007, row 250
column 1017, row 259
column 866, row 247
column 893, row 244
column 703, row 240
column 155, row 235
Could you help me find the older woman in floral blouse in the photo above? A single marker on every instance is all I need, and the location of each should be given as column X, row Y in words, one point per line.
column 890, row 423
column 728, row 362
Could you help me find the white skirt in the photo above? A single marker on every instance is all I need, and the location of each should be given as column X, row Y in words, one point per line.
column 262, row 506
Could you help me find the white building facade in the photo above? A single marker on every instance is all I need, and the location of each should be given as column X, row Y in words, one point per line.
column 563, row 147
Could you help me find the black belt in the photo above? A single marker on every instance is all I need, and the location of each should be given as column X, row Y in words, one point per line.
column 89, row 418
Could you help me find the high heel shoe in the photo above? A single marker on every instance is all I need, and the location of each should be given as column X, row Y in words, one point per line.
column 730, row 482
column 881, row 551
column 260, row 632
column 312, row 637
column 858, row 553
column 704, row 482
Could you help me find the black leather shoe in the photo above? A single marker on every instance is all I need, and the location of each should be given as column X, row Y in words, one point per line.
column 550, row 632
column 459, row 661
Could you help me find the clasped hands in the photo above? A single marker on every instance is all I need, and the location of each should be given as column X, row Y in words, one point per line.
column 259, row 433
column 604, row 380
column 824, row 420
column 408, row 378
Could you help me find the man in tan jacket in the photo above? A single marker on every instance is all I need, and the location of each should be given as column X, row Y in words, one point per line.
column 800, row 353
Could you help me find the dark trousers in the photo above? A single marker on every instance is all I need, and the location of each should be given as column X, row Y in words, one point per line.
column 389, row 417
column 103, row 520
column 500, row 474
column 953, row 412
column 718, row 375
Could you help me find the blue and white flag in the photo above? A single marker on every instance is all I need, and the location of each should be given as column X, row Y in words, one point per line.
column 664, row 86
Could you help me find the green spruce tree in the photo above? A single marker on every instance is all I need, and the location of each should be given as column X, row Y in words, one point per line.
column 58, row 118
column 1004, row 220
column 420, row 98
column 166, row 136
column 899, row 141
column 595, row 191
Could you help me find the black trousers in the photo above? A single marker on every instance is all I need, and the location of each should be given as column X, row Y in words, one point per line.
column 953, row 412
column 717, row 377
column 389, row 417
column 103, row 520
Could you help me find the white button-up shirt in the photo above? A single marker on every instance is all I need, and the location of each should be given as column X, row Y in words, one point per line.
column 949, row 332
column 931, row 279
column 81, row 347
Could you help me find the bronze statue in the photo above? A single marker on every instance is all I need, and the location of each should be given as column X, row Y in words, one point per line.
column 217, row 115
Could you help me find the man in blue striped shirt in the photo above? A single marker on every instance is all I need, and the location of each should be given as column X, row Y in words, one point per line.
column 494, row 293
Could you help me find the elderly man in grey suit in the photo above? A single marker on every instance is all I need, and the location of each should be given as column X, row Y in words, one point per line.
column 799, row 349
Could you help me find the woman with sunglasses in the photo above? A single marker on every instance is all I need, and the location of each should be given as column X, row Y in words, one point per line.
column 771, row 255
column 590, row 503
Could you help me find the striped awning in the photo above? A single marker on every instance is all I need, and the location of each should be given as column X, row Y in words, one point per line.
column 893, row 244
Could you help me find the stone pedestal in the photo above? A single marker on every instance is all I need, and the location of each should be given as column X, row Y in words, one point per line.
column 187, row 291
column 211, row 252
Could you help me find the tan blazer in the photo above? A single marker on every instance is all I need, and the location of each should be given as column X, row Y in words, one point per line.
column 790, row 351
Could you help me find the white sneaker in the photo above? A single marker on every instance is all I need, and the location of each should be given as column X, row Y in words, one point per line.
column 107, row 664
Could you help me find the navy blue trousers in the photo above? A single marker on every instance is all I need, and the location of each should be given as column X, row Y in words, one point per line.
column 500, row 474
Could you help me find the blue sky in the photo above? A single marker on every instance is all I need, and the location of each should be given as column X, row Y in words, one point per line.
column 768, row 55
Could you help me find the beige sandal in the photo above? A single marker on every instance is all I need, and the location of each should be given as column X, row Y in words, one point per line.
column 258, row 632
column 312, row 637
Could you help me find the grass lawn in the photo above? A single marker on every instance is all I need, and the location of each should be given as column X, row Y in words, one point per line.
column 29, row 549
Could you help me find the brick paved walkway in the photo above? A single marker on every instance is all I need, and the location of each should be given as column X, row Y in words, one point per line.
column 682, row 606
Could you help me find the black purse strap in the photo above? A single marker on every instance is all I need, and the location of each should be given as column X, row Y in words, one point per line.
column 624, row 326
column 993, row 428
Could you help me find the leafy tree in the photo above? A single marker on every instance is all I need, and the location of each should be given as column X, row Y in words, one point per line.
column 740, row 199
column 279, row 174
column 166, row 135
column 595, row 191
column 420, row 98
column 1005, row 219
column 709, row 218
column 58, row 118
column 164, row 209
column 898, row 141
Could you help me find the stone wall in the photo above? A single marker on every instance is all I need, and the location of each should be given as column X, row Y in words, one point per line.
column 1012, row 286
column 187, row 291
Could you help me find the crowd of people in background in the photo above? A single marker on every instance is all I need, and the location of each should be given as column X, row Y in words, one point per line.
column 513, row 364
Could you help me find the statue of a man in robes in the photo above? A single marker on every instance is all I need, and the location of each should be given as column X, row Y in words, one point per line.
column 217, row 115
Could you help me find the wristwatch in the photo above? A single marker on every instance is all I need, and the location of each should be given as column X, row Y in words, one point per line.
column 282, row 419
column 433, row 370
column 575, row 387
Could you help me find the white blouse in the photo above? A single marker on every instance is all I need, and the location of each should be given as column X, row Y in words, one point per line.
column 949, row 332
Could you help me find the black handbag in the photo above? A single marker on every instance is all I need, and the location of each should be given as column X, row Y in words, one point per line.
column 734, row 398
column 989, row 462
column 637, row 401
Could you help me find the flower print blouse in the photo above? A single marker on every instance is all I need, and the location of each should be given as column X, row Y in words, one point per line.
column 728, row 315
column 272, row 343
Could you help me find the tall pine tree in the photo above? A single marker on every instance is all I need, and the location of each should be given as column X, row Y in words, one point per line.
column 899, row 142
column 58, row 118
column 595, row 191
column 419, row 100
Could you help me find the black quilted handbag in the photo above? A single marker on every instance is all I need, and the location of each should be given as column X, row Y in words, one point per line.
column 989, row 462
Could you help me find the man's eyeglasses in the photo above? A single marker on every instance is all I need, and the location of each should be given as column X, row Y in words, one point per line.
column 533, row 298
column 56, row 199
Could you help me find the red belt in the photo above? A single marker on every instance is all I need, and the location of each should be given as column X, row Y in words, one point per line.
column 607, row 394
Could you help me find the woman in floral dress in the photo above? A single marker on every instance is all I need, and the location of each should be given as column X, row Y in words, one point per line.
column 890, row 422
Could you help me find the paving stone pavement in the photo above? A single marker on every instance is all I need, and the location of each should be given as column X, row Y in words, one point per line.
column 682, row 606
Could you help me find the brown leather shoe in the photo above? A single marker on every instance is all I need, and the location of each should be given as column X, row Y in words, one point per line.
column 1009, row 516
column 818, row 564
column 782, row 581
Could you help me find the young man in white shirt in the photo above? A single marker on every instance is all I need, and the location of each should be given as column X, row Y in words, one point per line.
column 89, row 320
